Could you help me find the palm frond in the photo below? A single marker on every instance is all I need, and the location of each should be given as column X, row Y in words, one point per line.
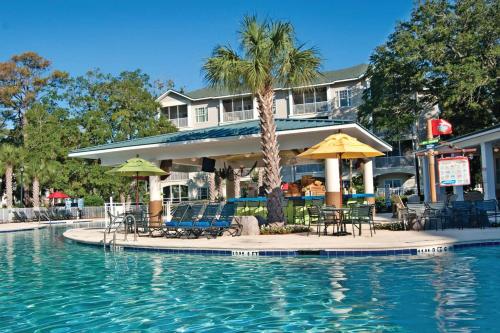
column 300, row 67
column 223, row 69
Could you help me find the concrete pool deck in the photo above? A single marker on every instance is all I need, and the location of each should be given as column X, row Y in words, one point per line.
column 400, row 241
column 21, row 226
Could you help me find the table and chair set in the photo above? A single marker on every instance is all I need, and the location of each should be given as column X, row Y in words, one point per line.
column 453, row 214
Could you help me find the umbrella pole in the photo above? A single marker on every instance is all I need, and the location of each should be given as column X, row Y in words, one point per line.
column 340, row 180
column 137, row 191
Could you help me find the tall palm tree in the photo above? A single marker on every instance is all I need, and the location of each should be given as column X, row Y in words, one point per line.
column 40, row 172
column 270, row 57
column 9, row 158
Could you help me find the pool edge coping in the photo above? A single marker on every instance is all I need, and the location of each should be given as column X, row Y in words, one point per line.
column 438, row 248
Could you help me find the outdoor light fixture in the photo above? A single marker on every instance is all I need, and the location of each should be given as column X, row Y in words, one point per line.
column 496, row 149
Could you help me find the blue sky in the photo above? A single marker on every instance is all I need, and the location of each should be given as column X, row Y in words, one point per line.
column 171, row 39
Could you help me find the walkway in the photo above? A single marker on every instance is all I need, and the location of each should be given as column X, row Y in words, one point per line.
column 383, row 240
column 12, row 227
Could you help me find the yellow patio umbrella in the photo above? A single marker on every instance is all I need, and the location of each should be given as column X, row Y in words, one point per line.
column 341, row 146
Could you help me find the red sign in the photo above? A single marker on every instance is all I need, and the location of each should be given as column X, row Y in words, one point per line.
column 440, row 127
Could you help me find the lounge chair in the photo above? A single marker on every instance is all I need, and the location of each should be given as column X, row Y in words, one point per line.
column 225, row 222
column 178, row 215
column 185, row 226
column 18, row 217
column 462, row 213
column 205, row 222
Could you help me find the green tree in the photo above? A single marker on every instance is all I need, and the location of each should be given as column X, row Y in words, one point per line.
column 446, row 54
column 9, row 158
column 24, row 79
column 270, row 57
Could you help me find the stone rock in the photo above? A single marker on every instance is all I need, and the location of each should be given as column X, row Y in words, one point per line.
column 249, row 225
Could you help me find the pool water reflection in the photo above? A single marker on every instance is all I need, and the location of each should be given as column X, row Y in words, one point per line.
column 47, row 284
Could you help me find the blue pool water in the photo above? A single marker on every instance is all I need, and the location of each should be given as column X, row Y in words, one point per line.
column 49, row 285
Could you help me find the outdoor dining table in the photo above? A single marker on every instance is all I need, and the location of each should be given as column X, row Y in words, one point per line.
column 337, row 214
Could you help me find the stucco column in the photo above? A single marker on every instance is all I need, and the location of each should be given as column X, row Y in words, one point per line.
column 221, row 112
column 425, row 177
column 332, row 182
column 155, row 199
column 290, row 102
column 487, row 170
column 368, row 179
column 459, row 191
column 255, row 108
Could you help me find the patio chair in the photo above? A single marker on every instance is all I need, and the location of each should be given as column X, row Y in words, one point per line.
column 177, row 216
column 487, row 212
column 40, row 215
column 186, row 225
column 18, row 217
column 437, row 213
column 359, row 215
column 225, row 222
column 462, row 213
column 415, row 216
column 25, row 217
column 204, row 223
column 318, row 217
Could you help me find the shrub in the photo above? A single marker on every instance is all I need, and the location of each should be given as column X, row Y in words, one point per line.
column 289, row 229
column 93, row 200
column 393, row 226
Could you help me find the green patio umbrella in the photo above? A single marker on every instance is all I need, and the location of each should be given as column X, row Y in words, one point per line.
column 136, row 167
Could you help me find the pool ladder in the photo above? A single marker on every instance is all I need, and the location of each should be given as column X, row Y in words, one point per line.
column 116, row 221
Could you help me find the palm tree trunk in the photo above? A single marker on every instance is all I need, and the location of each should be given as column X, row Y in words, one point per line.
column 212, row 193
column 8, row 184
column 270, row 151
column 36, row 192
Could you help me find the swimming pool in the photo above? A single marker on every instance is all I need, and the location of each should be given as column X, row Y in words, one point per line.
column 50, row 285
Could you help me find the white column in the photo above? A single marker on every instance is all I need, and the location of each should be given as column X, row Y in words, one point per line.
column 190, row 116
column 255, row 109
column 459, row 191
column 368, row 176
column 332, row 182
column 487, row 170
column 290, row 103
column 221, row 112
column 425, row 179
column 329, row 98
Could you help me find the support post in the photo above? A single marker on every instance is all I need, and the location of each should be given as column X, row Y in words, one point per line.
column 432, row 167
column 487, row 171
column 333, row 195
column 368, row 179
column 155, row 200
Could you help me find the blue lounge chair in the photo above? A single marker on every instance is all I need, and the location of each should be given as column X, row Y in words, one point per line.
column 225, row 222
column 186, row 225
column 180, row 211
column 204, row 223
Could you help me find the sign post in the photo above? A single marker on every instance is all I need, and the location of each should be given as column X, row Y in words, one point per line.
column 430, row 158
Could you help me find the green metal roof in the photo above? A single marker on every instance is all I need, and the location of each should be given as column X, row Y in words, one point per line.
column 473, row 133
column 215, row 132
column 353, row 72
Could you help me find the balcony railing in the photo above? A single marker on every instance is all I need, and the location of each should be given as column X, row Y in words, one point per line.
column 310, row 108
column 394, row 162
column 175, row 175
column 179, row 122
column 238, row 115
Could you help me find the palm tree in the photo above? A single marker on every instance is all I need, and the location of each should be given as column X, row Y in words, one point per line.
column 9, row 158
column 40, row 172
column 270, row 57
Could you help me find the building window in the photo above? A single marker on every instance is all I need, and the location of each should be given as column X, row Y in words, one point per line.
column 238, row 104
column 345, row 98
column 175, row 112
column 175, row 193
column 392, row 183
column 202, row 193
column 310, row 96
column 201, row 115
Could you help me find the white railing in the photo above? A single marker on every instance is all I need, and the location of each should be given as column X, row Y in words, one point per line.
column 179, row 122
column 237, row 115
column 308, row 108
column 176, row 175
column 7, row 215
column 396, row 191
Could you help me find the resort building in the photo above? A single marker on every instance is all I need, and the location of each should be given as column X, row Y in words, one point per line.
column 335, row 96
